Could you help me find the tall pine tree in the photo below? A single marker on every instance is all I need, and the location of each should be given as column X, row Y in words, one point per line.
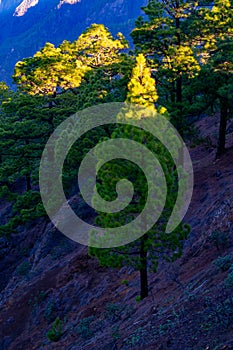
column 144, row 253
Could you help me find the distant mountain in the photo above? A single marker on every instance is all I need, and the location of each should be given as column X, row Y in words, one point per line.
column 25, row 26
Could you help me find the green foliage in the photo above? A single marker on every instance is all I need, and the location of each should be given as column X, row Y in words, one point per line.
column 24, row 268
column 47, row 70
column 224, row 263
column 49, row 309
column 163, row 37
column 212, row 30
column 219, row 239
column 96, row 46
column 55, row 333
column 165, row 328
column 38, row 299
column 115, row 333
column 229, row 280
column 189, row 48
column 125, row 282
column 65, row 67
column 156, row 244
column 27, row 119
column 141, row 88
column 23, row 131
column 136, row 337
column 84, row 329
column 113, row 311
column 219, row 314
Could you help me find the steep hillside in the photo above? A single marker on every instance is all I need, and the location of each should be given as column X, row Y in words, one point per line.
column 190, row 307
column 8, row 5
column 26, row 26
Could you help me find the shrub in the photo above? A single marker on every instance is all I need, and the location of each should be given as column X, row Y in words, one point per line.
column 229, row 280
column 50, row 308
column 55, row 333
column 84, row 327
column 115, row 333
column 224, row 263
column 219, row 239
column 114, row 311
column 125, row 282
column 24, row 268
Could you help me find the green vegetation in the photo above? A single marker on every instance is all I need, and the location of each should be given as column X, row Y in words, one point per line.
column 125, row 282
column 219, row 239
column 24, row 268
column 229, row 279
column 84, row 329
column 144, row 253
column 29, row 116
column 50, row 308
column 181, row 67
column 55, row 333
column 113, row 311
column 224, row 263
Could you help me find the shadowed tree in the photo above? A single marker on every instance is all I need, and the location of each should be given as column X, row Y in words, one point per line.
column 211, row 29
column 167, row 45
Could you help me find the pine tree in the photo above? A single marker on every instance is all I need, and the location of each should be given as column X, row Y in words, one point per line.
column 141, row 88
column 144, row 253
column 48, row 70
column 212, row 31
column 64, row 67
column 96, row 46
column 164, row 40
column 27, row 119
column 26, row 122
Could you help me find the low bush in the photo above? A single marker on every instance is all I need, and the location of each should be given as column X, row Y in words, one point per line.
column 55, row 333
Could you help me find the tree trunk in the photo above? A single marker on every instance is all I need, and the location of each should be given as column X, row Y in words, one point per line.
column 28, row 182
column 28, row 176
column 143, row 268
column 179, row 79
column 179, row 90
column 222, row 127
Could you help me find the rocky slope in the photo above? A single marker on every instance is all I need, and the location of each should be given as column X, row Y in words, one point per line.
column 25, row 26
column 44, row 275
column 25, row 5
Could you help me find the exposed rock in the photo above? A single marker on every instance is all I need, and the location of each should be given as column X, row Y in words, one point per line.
column 24, row 6
column 70, row 2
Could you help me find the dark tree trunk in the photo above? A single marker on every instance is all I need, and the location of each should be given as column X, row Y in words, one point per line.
column 173, row 93
column 28, row 176
column 143, row 268
column 28, row 182
column 222, row 127
column 179, row 90
column 179, row 79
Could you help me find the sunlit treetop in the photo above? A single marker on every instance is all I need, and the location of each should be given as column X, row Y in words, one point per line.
column 96, row 46
column 65, row 66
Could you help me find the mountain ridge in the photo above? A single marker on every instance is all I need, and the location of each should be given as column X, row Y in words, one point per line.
column 21, row 36
column 20, row 8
